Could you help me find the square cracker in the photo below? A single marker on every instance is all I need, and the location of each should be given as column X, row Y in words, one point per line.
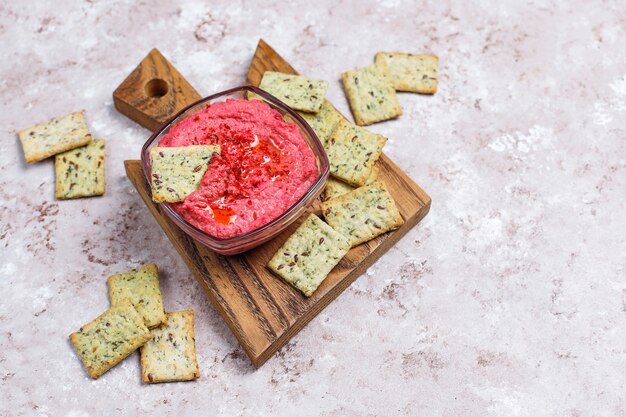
column 58, row 135
column 371, row 96
column 141, row 287
column 308, row 256
column 323, row 122
column 177, row 171
column 335, row 188
column 352, row 152
column 171, row 354
column 298, row 92
column 364, row 213
column 112, row 336
column 410, row 72
column 80, row 171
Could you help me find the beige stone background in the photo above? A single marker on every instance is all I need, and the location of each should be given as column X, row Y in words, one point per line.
column 509, row 299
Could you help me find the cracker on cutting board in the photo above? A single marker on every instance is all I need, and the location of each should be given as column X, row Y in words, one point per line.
column 364, row 213
column 335, row 188
column 112, row 336
column 80, row 171
column 323, row 122
column 171, row 354
column 308, row 256
column 177, row 171
column 371, row 96
column 298, row 92
column 352, row 152
column 410, row 72
column 58, row 135
column 141, row 287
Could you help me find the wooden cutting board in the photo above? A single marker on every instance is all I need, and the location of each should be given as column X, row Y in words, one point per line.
column 262, row 311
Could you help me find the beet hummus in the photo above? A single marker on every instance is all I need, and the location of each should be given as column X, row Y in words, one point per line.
column 264, row 168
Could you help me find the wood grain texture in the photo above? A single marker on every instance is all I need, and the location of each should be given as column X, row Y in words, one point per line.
column 154, row 92
column 261, row 309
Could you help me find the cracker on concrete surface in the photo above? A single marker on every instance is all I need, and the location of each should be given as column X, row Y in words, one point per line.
column 58, row 135
column 371, row 96
column 410, row 72
column 171, row 354
column 141, row 287
column 298, row 92
column 112, row 336
column 177, row 171
column 80, row 171
column 364, row 213
column 352, row 152
column 308, row 256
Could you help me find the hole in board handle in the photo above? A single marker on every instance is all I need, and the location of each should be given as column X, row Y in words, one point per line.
column 156, row 88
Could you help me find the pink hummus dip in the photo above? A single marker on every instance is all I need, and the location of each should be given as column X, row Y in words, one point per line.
column 264, row 168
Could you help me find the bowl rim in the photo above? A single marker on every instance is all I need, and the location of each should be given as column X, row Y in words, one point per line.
column 315, row 188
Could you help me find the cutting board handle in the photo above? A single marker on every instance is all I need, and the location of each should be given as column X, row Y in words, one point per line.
column 154, row 92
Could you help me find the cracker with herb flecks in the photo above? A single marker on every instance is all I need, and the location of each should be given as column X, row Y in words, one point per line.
column 364, row 213
column 141, row 287
column 177, row 171
column 298, row 92
column 58, row 135
column 352, row 152
column 112, row 336
column 410, row 72
column 371, row 96
column 323, row 122
column 171, row 354
column 308, row 256
column 80, row 171
column 335, row 188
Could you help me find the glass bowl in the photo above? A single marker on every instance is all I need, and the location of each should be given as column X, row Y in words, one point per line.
column 241, row 243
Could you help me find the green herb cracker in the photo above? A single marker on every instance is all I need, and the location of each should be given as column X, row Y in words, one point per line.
column 364, row 213
column 58, row 135
column 335, row 188
column 371, row 96
column 323, row 122
column 308, row 256
column 171, row 354
column 111, row 337
column 177, row 171
column 80, row 171
column 410, row 72
column 141, row 287
column 296, row 91
column 352, row 152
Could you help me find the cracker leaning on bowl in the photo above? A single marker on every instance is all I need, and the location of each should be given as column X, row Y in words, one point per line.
column 410, row 72
column 55, row 136
column 323, row 122
column 371, row 96
column 112, row 336
column 298, row 92
column 335, row 188
column 352, row 152
column 177, row 171
column 364, row 213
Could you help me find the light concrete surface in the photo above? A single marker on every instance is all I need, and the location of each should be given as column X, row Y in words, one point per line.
column 509, row 299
